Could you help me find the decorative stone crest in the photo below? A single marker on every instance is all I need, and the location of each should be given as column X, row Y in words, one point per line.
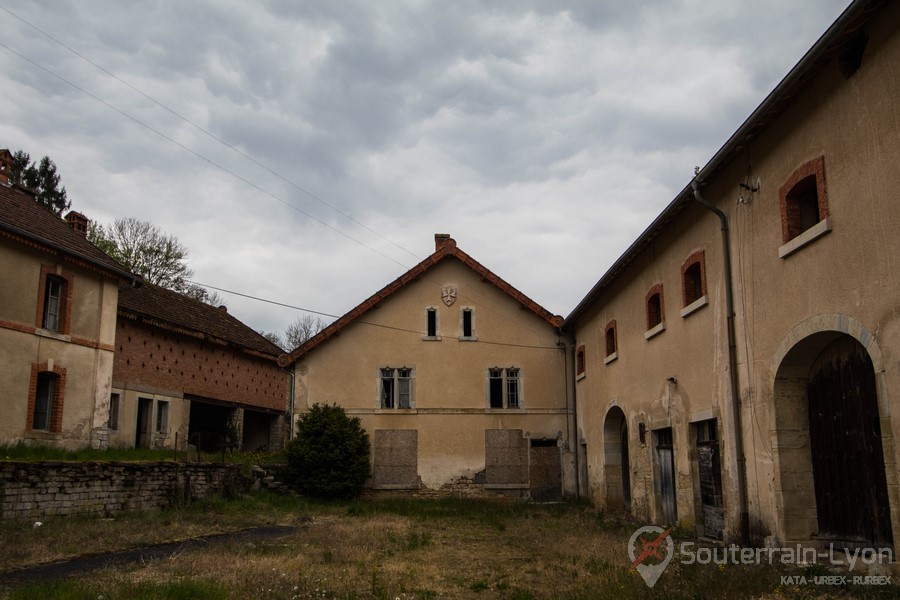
column 448, row 295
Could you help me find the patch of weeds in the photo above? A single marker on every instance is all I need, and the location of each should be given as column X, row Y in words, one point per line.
column 416, row 540
column 146, row 590
column 518, row 594
column 479, row 586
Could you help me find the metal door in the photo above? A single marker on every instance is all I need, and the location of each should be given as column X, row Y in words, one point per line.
column 845, row 442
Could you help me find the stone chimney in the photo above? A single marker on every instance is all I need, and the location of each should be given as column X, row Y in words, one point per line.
column 441, row 240
column 6, row 161
column 78, row 222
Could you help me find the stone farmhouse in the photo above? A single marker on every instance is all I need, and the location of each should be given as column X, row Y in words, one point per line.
column 459, row 378
column 57, row 324
column 738, row 367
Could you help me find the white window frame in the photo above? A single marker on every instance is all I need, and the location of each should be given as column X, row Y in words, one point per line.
column 401, row 381
column 437, row 325
column 511, row 387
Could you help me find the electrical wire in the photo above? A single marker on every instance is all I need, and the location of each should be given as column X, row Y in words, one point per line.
column 362, row 322
column 207, row 132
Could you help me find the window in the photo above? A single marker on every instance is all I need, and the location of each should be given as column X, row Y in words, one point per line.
column 54, row 304
column 693, row 283
column 431, row 324
column 611, row 342
column 504, row 388
column 579, row 362
column 467, row 324
column 396, row 388
column 45, row 403
column 113, row 411
column 804, row 207
column 162, row 416
column 43, row 400
column 655, row 310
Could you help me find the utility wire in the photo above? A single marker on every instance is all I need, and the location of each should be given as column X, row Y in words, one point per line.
column 198, row 155
column 208, row 133
column 361, row 322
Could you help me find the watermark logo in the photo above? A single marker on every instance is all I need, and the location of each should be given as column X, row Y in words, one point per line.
column 652, row 545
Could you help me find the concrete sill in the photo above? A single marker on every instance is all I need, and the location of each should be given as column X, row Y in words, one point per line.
column 581, row 376
column 610, row 357
column 807, row 237
column 396, row 411
column 655, row 331
column 470, row 338
column 431, row 338
column 53, row 335
column 694, row 306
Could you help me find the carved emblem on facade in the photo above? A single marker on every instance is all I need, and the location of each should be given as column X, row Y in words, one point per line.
column 448, row 295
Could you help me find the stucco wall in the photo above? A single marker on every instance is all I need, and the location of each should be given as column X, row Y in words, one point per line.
column 451, row 411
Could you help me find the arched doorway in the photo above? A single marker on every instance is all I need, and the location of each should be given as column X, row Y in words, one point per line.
column 831, row 460
column 615, row 460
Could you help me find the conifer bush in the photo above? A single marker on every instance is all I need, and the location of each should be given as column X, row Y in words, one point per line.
column 329, row 458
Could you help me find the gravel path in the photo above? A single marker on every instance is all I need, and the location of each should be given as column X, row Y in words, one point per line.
column 94, row 562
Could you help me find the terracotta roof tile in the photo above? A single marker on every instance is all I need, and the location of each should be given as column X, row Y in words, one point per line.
column 448, row 250
column 22, row 218
column 164, row 308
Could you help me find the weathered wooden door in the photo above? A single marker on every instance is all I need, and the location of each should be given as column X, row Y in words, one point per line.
column 666, row 460
column 845, row 442
column 709, row 469
column 545, row 472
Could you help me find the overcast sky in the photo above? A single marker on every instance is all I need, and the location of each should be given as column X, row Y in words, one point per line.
column 543, row 136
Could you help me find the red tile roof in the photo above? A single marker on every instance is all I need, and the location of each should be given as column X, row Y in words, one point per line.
column 446, row 251
column 170, row 310
column 24, row 220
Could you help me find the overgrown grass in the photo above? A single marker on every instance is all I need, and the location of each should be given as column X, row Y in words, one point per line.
column 401, row 548
column 34, row 452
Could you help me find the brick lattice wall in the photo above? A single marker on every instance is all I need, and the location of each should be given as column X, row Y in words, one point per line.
column 30, row 490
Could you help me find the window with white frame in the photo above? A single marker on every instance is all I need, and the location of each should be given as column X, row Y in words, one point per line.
column 431, row 324
column 504, row 388
column 396, row 387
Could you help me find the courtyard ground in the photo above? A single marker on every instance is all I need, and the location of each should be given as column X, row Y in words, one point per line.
column 385, row 549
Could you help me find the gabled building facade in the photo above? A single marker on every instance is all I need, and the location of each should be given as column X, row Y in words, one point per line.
column 187, row 373
column 57, row 324
column 459, row 379
column 737, row 367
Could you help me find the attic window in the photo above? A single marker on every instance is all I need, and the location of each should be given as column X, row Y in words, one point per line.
column 693, row 283
column 467, row 324
column 804, row 207
column 431, row 325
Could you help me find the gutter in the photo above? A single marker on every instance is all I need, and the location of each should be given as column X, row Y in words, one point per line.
column 741, row 459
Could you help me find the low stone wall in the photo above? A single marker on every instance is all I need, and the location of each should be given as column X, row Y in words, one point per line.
column 30, row 490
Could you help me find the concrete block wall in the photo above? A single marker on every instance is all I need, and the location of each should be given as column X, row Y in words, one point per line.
column 31, row 490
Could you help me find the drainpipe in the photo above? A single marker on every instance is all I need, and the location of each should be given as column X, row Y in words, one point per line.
column 291, row 404
column 576, row 444
column 732, row 355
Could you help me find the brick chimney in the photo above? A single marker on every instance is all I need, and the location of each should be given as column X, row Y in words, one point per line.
column 78, row 222
column 441, row 240
column 6, row 161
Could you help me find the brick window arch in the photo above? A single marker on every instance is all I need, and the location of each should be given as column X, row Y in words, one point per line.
column 612, row 345
column 693, row 278
column 45, row 398
column 579, row 361
column 804, row 199
column 656, row 310
column 54, row 306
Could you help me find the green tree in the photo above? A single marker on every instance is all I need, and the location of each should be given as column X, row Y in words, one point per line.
column 42, row 178
column 329, row 458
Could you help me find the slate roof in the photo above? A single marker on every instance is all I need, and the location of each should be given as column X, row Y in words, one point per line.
column 170, row 310
column 448, row 250
column 26, row 221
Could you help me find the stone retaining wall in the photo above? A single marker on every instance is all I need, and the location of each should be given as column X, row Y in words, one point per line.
column 30, row 490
